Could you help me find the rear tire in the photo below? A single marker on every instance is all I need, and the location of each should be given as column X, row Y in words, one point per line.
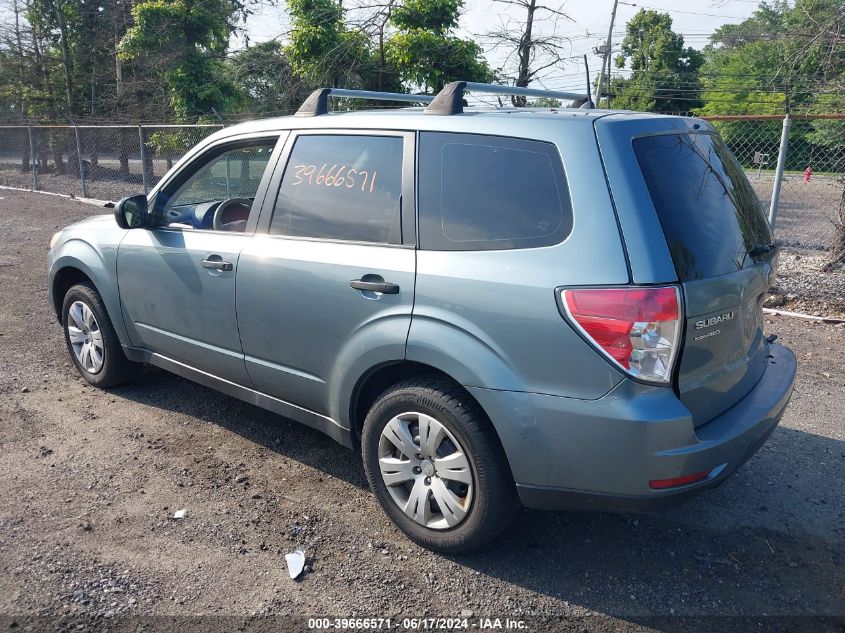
column 435, row 447
column 91, row 340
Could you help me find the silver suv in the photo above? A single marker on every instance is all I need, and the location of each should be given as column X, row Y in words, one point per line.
column 555, row 308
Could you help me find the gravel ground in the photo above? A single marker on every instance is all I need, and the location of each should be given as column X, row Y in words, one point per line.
column 92, row 478
column 109, row 184
column 800, row 286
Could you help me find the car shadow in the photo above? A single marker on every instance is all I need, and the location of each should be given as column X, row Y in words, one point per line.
column 163, row 390
column 768, row 541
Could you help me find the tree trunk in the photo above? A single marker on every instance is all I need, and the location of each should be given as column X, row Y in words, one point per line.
column 41, row 71
column 58, row 156
column 147, row 165
column 25, row 157
column 119, row 26
column 21, row 104
column 120, row 87
column 123, row 150
column 42, row 148
column 526, row 45
column 381, row 60
column 381, row 57
column 66, row 61
column 91, row 29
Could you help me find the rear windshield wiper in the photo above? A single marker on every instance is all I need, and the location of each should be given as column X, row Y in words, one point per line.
column 763, row 249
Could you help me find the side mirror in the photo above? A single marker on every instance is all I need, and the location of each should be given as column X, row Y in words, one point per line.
column 132, row 212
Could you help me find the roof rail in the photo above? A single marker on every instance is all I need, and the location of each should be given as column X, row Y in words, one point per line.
column 450, row 100
column 317, row 102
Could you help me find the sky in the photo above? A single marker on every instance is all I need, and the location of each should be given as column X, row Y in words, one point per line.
column 587, row 28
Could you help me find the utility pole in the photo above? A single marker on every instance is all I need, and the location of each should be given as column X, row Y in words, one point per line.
column 606, row 60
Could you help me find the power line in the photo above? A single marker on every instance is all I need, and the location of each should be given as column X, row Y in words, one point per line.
column 712, row 15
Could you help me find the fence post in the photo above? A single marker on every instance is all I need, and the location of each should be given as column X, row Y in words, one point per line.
column 784, row 143
column 143, row 158
column 33, row 162
column 81, row 163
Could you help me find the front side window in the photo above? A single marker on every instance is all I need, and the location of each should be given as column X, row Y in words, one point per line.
column 343, row 187
column 224, row 178
column 490, row 193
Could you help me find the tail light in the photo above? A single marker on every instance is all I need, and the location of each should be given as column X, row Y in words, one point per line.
column 637, row 328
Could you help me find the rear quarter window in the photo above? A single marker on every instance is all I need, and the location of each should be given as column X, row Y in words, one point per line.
column 489, row 193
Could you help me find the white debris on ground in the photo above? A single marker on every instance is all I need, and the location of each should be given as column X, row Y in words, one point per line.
column 296, row 563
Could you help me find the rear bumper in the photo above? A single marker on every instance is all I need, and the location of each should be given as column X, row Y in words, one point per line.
column 602, row 454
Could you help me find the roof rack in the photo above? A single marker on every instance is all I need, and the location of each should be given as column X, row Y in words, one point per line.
column 450, row 100
column 317, row 102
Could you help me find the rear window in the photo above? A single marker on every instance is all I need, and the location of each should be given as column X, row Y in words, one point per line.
column 487, row 193
column 710, row 215
column 342, row 187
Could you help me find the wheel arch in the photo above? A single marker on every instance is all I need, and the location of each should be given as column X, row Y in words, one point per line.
column 79, row 262
column 63, row 280
column 373, row 383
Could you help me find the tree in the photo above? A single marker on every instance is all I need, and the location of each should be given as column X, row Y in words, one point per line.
column 425, row 52
column 739, row 66
column 324, row 51
column 13, row 73
column 737, row 77
column 187, row 39
column 813, row 47
column 781, row 57
column 665, row 73
column 532, row 44
column 265, row 79
column 68, row 49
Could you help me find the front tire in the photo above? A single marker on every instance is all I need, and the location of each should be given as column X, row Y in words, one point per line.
column 91, row 340
column 436, row 467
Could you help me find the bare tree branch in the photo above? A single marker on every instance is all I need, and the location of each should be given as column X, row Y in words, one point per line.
column 532, row 42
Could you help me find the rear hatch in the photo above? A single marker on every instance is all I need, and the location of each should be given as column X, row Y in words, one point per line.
column 721, row 247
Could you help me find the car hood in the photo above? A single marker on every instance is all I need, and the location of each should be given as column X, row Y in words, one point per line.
column 97, row 230
column 94, row 219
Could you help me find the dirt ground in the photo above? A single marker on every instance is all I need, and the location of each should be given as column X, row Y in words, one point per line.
column 91, row 479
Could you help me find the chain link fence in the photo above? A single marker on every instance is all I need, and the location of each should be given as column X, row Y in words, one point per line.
column 108, row 162
column 809, row 206
column 104, row 162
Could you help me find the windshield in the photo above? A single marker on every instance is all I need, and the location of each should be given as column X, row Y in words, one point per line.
column 710, row 215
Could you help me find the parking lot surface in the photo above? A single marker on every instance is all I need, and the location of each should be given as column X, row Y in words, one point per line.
column 91, row 480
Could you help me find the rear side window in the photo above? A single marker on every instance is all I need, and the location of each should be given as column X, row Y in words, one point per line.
column 343, row 187
column 710, row 215
column 489, row 193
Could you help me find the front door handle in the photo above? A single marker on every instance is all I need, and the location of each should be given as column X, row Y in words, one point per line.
column 384, row 287
column 215, row 262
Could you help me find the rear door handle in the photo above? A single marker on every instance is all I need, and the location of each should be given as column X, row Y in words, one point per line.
column 215, row 262
column 384, row 287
